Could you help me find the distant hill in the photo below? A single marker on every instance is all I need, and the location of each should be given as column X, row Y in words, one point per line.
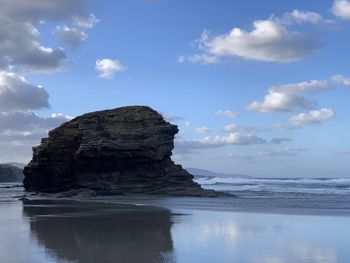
column 201, row 172
column 10, row 173
column 18, row 165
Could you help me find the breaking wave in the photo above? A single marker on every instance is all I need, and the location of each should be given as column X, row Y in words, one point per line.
column 333, row 186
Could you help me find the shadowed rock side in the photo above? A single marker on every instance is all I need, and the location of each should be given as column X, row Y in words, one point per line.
column 101, row 233
column 124, row 150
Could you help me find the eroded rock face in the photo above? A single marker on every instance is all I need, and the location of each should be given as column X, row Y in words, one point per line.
column 124, row 150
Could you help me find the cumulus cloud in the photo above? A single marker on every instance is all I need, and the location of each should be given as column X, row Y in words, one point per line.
column 108, row 67
column 315, row 117
column 16, row 151
column 203, row 130
column 287, row 151
column 42, row 9
column 22, row 123
column 230, row 128
column 20, row 131
column 341, row 9
column 281, row 102
column 23, row 49
column 187, row 146
column 289, row 97
column 16, row 94
column 301, row 17
column 268, row 40
column 232, row 138
column 226, row 113
column 70, row 35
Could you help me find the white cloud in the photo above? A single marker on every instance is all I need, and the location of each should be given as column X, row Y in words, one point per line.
column 16, row 94
column 86, row 21
column 203, row 130
column 268, row 40
column 187, row 123
column 23, row 49
column 287, row 151
column 301, row 17
column 226, row 113
column 187, row 146
column 181, row 59
column 108, row 67
column 70, row 35
column 20, row 131
column 26, row 123
column 232, row 138
column 341, row 8
column 315, row 117
column 289, row 97
column 230, row 128
column 37, row 10
column 280, row 102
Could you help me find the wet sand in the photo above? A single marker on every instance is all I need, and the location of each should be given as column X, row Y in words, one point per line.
column 71, row 231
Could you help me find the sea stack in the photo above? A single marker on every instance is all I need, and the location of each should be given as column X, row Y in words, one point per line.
column 120, row 151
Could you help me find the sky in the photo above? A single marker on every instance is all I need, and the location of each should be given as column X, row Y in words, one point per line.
column 259, row 88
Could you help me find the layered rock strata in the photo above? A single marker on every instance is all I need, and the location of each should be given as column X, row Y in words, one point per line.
column 118, row 151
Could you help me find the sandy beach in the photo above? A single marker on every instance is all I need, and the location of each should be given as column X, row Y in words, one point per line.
column 73, row 231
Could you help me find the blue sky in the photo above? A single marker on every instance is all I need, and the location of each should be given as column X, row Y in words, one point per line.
column 257, row 87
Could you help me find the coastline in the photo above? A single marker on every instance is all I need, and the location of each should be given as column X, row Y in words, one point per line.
column 221, row 203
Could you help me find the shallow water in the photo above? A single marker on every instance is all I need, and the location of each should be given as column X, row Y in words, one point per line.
column 65, row 231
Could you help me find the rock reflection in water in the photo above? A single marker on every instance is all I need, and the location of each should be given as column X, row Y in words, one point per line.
column 101, row 233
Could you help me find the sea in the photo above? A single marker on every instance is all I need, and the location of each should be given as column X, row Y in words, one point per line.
column 262, row 186
column 11, row 191
column 318, row 193
column 256, row 193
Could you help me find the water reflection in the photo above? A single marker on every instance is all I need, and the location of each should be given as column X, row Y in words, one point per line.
column 226, row 237
column 51, row 232
column 101, row 233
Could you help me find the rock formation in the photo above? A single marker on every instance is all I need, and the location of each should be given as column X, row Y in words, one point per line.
column 10, row 173
column 124, row 150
